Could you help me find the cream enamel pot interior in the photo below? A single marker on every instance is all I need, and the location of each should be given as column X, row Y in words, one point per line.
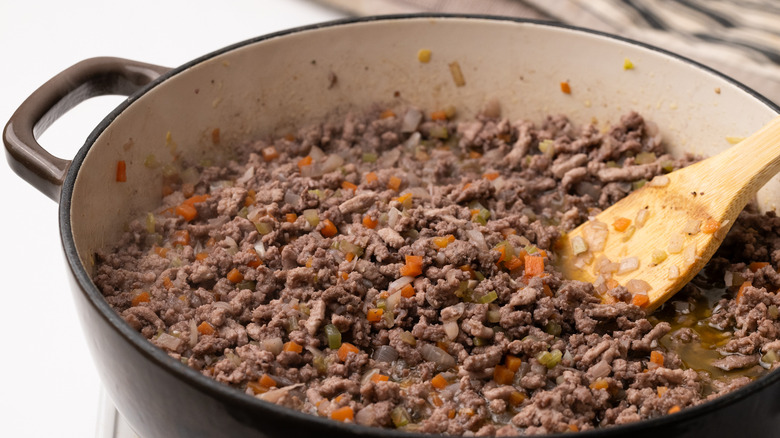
column 279, row 82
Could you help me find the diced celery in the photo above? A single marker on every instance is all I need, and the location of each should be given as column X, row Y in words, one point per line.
column 334, row 336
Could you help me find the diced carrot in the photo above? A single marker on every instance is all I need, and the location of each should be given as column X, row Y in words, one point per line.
column 599, row 384
column 368, row 222
column 345, row 413
column 345, row 349
column 573, row 428
column 657, row 358
column 612, row 283
column 181, row 237
column 201, row 256
column 640, row 300
column 674, row 409
column 371, row 177
column 290, row 217
column 192, row 200
column 167, row 283
column 162, row 252
column 451, row 414
column 403, row 198
column 186, row 211
column 215, row 135
column 328, row 229
column 741, row 291
column 374, row 315
column 439, row 382
column 292, row 346
column 534, row 265
column 490, row 176
column 621, row 224
column 290, row 137
column 465, row 187
column 443, row 345
column 205, row 328
column 267, row 381
column 502, row 251
column 513, row 363
column 503, row 375
column 305, row 161
column 386, row 114
column 565, row 88
column 547, row 291
column 346, row 185
column 755, row 266
column 439, row 115
column 142, row 297
column 121, row 171
column 710, row 226
column 516, row 397
column 413, row 266
column 514, row 263
column 441, row 242
column 408, row 291
column 235, row 276
column 475, row 155
column 256, row 261
column 344, row 276
column 436, row 400
column 661, row 390
column 256, row 387
column 394, row 183
column 250, row 197
column 269, row 153
column 350, row 256
column 379, row 377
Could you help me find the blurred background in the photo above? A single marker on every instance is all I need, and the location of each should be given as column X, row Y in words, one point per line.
column 48, row 384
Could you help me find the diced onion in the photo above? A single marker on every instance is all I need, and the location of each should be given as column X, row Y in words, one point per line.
column 332, row 163
column 658, row 256
column 273, row 345
column 692, row 226
column 312, row 216
column 689, row 254
column 193, row 326
column 413, row 141
column 434, row 354
column 675, row 244
column 385, row 353
column 411, row 120
column 393, row 216
column 275, row 395
column 578, row 245
column 392, row 301
column 260, row 248
column 628, row 264
column 451, row 329
column 674, row 272
column 292, row 198
column 408, row 338
column 659, row 181
column 169, row 342
column 250, row 172
column 637, row 286
column 595, row 234
column 399, row 283
column 316, row 153
column 477, row 238
column 232, row 246
column 400, row 416
column 641, row 217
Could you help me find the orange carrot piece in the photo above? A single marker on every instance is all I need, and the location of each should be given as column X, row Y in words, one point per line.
column 350, row 256
column 345, row 413
column 394, row 183
column 534, row 265
column 439, row 115
column 741, row 291
column 215, row 135
column 710, row 226
column 413, row 266
column 408, row 291
column 192, row 200
column 661, row 390
column 256, row 261
column 162, row 252
column 369, row 223
column 270, row 153
column 441, row 242
column 439, row 382
column 621, row 224
column 674, row 409
column 121, row 171
column 206, row 328
column 565, row 88
column 516, row 397
column 201, row 256
column 181, row 237
column 379, row 377
column 142, row 297
column 599, row 384
column 503, row 375
column 514, row 263
column 187, row 211
column 328, row 229
column 374, row 315
column 371, row 177
column 346, row 185
column 305, row 161
column 291, row 217
column 475, row 155
column 292, row 346
column 657, row 358
column 267, row 381
column 513, row 363
column 640, row 300
column 167, row 283
column 755, row 266
column 490, row 176
column 345, row 349
column 235, row 276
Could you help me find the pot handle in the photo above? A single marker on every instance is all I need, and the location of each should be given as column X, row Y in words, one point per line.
column 89, row 78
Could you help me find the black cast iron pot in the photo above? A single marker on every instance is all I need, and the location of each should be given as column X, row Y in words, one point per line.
column 279, row 82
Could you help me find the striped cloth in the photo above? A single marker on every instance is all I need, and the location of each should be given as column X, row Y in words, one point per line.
column 740, row 38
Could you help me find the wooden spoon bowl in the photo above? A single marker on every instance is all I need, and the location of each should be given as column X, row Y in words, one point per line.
column 658, row 238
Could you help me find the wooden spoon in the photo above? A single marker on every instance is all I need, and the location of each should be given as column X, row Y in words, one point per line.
column 672, row 225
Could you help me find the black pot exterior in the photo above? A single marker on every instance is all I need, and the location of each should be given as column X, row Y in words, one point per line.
column 161, row 397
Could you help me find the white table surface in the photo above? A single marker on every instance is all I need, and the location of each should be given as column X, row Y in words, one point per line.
column 48, row 385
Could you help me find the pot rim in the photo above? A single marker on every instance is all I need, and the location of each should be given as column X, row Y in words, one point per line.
column 224, row 392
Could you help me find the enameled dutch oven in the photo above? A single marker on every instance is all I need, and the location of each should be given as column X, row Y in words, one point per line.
column 278, row 82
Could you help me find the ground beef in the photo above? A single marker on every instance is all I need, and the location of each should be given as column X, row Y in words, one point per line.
column 404, row 277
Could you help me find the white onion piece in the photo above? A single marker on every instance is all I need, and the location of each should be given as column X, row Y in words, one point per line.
column 659, row 181
column 169, row 342
column 595, row 234
column 674, row 272
column 231, row 245
column 399, row 283
column 313, row 170
column 222, row 305
column 332, row 163
column 434, row 354
column 451, row 329
column 255, row 213
column 316, row 153
column 675, row 244
column 413, row 140
column 411, row 120
column 689, row 254
column 392, row 301
column 250, row 172
column 291, row 198
column 385, row 353
column 599, row 370
column 419, row 193
column 692, row 226
column 260, row 248
column 478, row 238
column 636, row 286
column 728, row 278
column 641, row 217
column 275, row 395
column 368, row 375
column 393, row 216
column 628, row 264
column 274, row 345
column 388, row 159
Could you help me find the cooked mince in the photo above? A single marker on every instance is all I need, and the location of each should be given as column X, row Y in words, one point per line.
column 397, row 270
